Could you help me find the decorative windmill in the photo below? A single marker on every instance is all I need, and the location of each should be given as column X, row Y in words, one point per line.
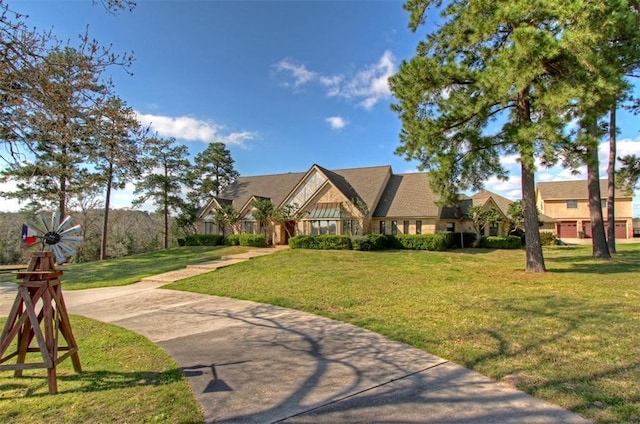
column 61, row 238
column 39, row 312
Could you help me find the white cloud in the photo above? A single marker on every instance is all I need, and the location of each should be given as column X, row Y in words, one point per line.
column 191, row 129
column 300, row 74
column 367, row 86
column 336, row 122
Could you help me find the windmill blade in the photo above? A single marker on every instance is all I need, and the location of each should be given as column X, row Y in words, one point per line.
column 72, row 240
column 76, row 229
column 67, row 250
column 67, row 221
column 42, row 225
column 55, row 219
column 60, row 256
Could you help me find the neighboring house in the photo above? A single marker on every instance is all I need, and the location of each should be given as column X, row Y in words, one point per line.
column 567, row 203
column 349, row 201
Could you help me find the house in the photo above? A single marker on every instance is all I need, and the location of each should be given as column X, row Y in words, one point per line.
column 567, row 203
column 352, row 201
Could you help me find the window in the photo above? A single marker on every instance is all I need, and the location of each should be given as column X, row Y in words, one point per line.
column 493, row 229
column 250, row 227
column 405, row 227
column 209, row 227
column 418, row 227
column 319, row 227
column 451, row 227
column 572, row 204
column 394, row 227
column 383, row 228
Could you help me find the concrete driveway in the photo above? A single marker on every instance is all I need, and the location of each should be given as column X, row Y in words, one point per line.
column 254, row 363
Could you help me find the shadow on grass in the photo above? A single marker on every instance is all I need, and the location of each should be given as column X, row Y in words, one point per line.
column 87, row 382
column 566, row 325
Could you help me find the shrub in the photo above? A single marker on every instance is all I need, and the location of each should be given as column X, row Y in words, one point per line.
column 326, row 242
column 434, row 242
column 508, row 242
column 232, row 240
column 252, row 240
column 203, row 240
column 181, row 242
column 548, row 239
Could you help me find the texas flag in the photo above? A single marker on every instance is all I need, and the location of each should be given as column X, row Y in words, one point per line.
column 28, row 237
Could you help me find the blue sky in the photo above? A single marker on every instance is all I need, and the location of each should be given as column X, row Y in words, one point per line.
column 284, row 84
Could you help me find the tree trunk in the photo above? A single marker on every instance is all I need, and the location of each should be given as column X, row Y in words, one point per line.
column 611, row 182
column 599, row 241
column 534, row 257
column 533, row 245
column 62, row 205
column 105, row 222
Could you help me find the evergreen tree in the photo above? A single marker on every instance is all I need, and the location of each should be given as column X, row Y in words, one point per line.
column 501, row 78
column 57, row 128
column 115, row 152
column 212, row 171
column 166, row 168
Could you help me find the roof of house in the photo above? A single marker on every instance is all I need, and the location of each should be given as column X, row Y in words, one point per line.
column 408, row 195
column 481, row 197
column 274, row 187
column 573, row 190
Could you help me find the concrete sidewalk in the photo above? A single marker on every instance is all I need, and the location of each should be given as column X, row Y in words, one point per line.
column 254, row 363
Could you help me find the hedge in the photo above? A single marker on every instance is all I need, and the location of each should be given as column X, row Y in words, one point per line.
column 433, row 242
column 232, row 240
column 369, row 242
column 203, row 240
column 508, row 242
column 325, row 242
column 252, row 240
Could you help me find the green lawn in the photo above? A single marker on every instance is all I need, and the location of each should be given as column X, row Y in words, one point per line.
column 125, row 379
column 130, row 269
column 571, row 336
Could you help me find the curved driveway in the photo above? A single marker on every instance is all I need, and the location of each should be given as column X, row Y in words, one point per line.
column 255, row 363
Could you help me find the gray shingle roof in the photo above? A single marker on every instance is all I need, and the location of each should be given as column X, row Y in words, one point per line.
column 354, row 183
column 274, row 187
column 408, row 195
column 573, row 190
column 481, row 197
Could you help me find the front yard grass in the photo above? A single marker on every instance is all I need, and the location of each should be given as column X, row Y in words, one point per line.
column 130, row 269
column 125, row 379
column 570, row 336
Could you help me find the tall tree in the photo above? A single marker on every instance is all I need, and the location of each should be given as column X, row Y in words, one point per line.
column 57, row 129
column 115, row 152
column 497, row 78
column 166, row 168
column 212, row 171
column 25, row 52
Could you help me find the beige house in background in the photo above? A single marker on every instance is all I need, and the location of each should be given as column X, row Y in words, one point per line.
column 567, row 203
column 352, row 201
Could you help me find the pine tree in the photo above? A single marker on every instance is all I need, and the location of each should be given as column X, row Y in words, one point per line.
column 115, row 151
column 166, row 168
column 500, row 78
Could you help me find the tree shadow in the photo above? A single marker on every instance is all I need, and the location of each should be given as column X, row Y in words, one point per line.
column 344, row 373
column 89, row 381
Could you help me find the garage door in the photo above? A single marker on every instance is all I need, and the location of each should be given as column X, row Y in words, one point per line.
column 567, row 229
column 621, row 229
